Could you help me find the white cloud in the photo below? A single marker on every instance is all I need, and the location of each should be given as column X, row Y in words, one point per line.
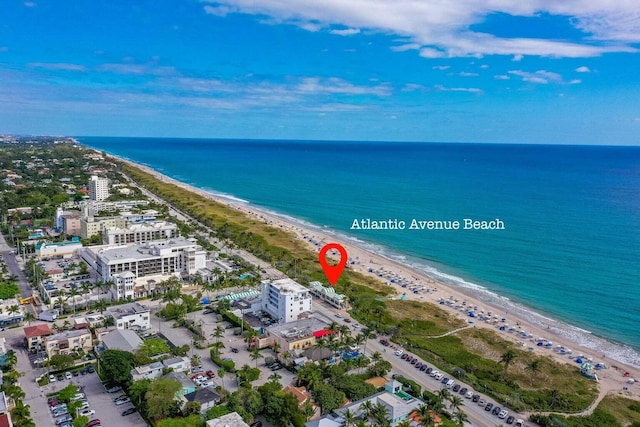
column 57, row 66
column 467, row 74
column 517, row 58
column 346, row 32
column 501, row 77
column 336, row 85
column 583, row 69
column 414, row 87
column 405, row 47
column 484, row 66
column 458, row 89
column 441, row 67
column 540, row 76
column 30, row 4
column 575, row 82
column 441, row 28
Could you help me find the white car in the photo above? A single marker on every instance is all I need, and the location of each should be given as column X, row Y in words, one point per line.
column 398, row 352
column 86, row 412
column 123, row 401
column 68, row 375
column 520, row 423
column 52, row 378
column 503, row 414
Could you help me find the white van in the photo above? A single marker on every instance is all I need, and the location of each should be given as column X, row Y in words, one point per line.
column 439, row 376
column 450, row 383
column 434, row 373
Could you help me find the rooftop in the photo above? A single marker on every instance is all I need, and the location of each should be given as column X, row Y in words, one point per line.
column 299, row 329
column 122, row 339
column 141, row 251
column 37, row 331
column 287, row 286
column 69, row 334
column 229, row 420
column 133, row 308
column 203, row 395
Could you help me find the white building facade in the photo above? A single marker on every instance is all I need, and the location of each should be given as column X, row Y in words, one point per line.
column 140, row 233
column 285, row 299
column 98, row 188
column 134, row 316
column 157, row 258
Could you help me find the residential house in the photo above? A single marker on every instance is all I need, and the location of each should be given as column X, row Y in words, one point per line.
column 186, row 384
column 177, row 364
column 207, row 396
column 35, row 335
column 150, row 371
column 133, row 316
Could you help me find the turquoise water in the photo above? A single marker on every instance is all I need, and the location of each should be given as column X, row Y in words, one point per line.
column 571, row 242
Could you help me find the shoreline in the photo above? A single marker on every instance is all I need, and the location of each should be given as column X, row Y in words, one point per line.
column 385, row 268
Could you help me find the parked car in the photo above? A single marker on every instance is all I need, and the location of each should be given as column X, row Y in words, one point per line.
column 123, row 401
column 445, row 380
column 128, row 412
column 489, row 407
column 234, row 350
column 510, row 419
column 520, row 422
column 83, row 371
column 398, row 352
column 58, row 407
column 90, row 369
column 64, row 419
column 469, row 394
column 503, row 414
column 404, row 356
column 93, row 423
column 481, row 402
column 122, row 396
column 428, row 371
column 475, row 398
column 456, row 388
column 86, row 412
column 52, row 378
column 463, row 391
column 211, row 374
column 256, row 424
column 496, row 410
column 409, row 358
column 60, row 378
column 78, row 396
column 385, row 342
column 83, row 404
column 68, row 375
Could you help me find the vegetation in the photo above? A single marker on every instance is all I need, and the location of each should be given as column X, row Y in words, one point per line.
column 116, row 366
column 160, row 398
column 61, row 361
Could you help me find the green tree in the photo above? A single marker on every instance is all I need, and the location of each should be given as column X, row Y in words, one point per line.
column 137, row 392
column 217, row 412
column 67, row 393
column 80, row 421
column 60, row 361
column 255, row 355
column 116, row 365
column 190, row 421
column 507, row 357
column 160, row 398
column 328, row 397
column 248, row 399
column 533, row 367
column 153, row 347
column 191, row 408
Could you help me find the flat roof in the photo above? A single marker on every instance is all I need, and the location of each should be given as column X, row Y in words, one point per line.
column 133, row 308
column 299, row 329
column 287, row 285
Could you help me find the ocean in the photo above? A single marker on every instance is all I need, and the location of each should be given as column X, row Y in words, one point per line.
column 569, row 250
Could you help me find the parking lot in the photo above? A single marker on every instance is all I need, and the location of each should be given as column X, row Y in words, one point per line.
column 99, row 400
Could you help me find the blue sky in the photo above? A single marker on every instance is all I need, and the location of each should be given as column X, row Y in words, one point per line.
column 394, row 70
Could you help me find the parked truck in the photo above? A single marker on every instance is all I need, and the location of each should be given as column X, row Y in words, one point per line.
column 48, row 316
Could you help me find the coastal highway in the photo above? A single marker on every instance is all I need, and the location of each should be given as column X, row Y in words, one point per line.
column 477, row 415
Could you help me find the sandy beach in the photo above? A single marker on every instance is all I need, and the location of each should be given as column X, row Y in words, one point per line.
column 458, row 300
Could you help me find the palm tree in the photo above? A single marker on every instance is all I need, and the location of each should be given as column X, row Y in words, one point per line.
column 275, row 377
column 424, row 414
column 29, row 317
column 444, row 394
column 101, row 305
column 255, row 355
column 12, row 358
column 276, row 349
column 456, row 402
column 404, row 423
column 508, row 357
column 349, row 418
column 534, row 368
column 376, row 357
column 380, row 415
column 367, row 408
column 195, row 359
column 460, row 417
column 221, row 373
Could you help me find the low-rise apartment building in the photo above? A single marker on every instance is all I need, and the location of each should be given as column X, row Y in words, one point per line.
column 140, row 233
column 68, row 341
column 285, row 299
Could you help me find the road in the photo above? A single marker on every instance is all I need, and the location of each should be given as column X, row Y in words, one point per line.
column 14, row 268
column 477, row 415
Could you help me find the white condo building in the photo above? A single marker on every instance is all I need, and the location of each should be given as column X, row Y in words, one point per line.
column 285, row 299
column 98, row 188
column 160, row 257
column 139, row 233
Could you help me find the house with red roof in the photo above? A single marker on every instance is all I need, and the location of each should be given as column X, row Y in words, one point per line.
column 35, row 335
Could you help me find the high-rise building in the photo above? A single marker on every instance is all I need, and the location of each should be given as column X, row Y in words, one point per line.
column 285, row 299
column 98, row 188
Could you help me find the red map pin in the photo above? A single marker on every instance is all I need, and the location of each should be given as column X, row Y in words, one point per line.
column 332, row 272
